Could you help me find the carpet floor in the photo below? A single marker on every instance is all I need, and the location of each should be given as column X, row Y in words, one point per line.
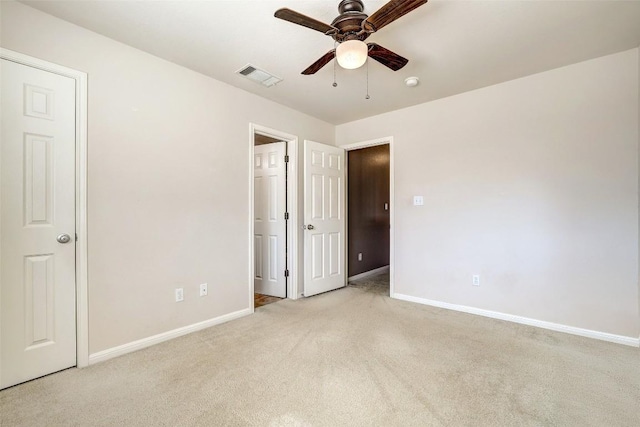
column 350, row 357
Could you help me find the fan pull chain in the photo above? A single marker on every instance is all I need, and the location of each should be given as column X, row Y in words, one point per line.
column 335, row 60
column 367, row 97
column 335, row 84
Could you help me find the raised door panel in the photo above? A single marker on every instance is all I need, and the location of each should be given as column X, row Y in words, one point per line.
column 317, row 197
column 335, row 254
column 39, row 297
column 334, row 198
column 39, row 102
column 274, row 268
column 259, row 199
column 317, row 256
column 38, row 180
column 273, row 198
column 258, row 269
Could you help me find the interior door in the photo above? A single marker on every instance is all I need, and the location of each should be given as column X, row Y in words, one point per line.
column 37, row 239
column 324, row 218
column 270, row 203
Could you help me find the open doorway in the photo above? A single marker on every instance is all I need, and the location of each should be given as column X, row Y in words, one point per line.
column 273, row 244
column 369, row 216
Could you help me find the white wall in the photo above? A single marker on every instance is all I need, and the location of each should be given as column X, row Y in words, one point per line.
column 168, row 179
column 533, row 184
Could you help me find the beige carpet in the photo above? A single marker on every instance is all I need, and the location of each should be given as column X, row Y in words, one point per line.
column 349, row 357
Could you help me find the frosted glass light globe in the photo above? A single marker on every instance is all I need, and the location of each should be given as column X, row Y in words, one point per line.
column 352, row 54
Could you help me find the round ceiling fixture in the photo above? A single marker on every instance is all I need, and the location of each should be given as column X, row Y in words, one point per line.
column 412, row 81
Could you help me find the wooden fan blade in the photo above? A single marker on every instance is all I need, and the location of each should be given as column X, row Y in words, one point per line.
column 305, row 21
column 316, row 66
column 386, row 57
column 389, row 13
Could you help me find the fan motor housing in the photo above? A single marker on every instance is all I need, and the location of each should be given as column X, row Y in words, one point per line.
column 349, row 22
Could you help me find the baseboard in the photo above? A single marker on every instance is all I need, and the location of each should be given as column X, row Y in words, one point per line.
column 369, row 273
column 603, row 336
column 110, row 353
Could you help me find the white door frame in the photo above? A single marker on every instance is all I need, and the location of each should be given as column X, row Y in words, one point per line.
column 82, row 303
column 292, row 208
column 373, row 143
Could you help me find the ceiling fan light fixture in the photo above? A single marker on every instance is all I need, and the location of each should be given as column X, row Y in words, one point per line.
column 352, row 54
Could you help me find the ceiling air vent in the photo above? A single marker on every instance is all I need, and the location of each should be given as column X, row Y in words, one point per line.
column 259, row 76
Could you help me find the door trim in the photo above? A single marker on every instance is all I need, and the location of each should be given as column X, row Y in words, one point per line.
column 292, row 208
column 82, row 303
column 392, row 207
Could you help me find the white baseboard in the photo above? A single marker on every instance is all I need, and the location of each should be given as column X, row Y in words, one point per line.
column 604, row 336
column 110, row 353
column 369, row 273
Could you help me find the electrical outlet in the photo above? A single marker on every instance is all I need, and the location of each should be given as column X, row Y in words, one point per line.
column 476, row 280
column 359, row 256
column 418, row 201
column 203, row 290
column 179, row 294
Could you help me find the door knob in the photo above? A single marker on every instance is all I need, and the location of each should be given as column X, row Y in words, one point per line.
column 310, row 227
column 63, row 238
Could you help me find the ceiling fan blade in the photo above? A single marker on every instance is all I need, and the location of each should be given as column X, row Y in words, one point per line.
column 389, row 13
column 305, row 21
column 316, row 66
column 386, row 57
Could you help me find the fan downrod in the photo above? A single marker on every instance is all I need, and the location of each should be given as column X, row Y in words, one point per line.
column 351, row 6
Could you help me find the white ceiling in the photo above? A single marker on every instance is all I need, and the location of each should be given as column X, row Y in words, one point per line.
column 452, row 46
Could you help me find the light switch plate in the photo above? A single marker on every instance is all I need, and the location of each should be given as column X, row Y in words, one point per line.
column 418, row 201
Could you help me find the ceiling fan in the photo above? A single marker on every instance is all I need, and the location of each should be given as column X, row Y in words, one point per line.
column 351, row 28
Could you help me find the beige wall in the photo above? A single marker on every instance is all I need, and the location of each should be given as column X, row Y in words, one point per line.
column 533, row 184
column 168, row 179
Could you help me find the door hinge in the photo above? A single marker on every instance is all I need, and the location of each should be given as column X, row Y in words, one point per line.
column 286, row 215
column 286, row 158
column 286, row 273
column 76, row 237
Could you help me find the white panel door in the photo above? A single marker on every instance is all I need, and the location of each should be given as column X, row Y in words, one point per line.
column 270, row 203
column 37, row 278
column 324, row 218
